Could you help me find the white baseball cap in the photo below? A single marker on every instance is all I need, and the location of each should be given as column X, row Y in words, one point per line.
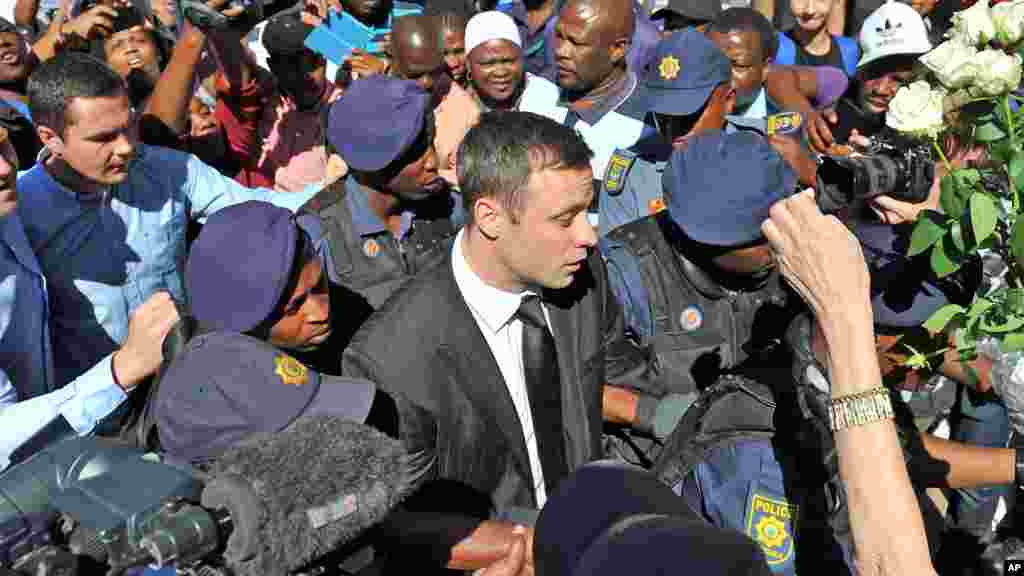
column 892, row 30
column 491, row 25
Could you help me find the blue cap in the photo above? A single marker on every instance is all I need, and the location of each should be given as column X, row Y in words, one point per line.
column 685, row 69
column 227, row 386
column 375, row 120
column 240, row 264
column 720, row 186
column 613, row 518
column 903, row 292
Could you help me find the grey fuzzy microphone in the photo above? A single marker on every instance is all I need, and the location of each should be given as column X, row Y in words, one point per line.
column 298, row 494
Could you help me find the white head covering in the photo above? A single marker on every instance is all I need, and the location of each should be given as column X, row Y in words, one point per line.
column 491, row 25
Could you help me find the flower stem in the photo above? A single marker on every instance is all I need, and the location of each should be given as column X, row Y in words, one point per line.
column 1009, row 121
column 942, row 155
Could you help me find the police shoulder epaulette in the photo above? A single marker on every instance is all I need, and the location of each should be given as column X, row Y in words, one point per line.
column 330, row 195
column 618, row 170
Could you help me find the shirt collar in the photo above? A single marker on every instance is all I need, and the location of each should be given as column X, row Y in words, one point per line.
column 364, row 221
column 593, row 111
column 102, row 193
column 758, row 108
column 493, row 306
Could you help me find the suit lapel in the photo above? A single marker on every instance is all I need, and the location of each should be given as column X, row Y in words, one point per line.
column 484, row 386
column 565, row 328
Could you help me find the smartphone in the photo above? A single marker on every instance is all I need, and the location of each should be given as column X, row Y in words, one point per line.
column 205, row 18
column 127, row 17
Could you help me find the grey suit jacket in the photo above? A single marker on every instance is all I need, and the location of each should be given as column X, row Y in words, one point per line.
column 425, row 344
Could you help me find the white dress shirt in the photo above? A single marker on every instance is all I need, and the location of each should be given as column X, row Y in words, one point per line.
column 494, row 311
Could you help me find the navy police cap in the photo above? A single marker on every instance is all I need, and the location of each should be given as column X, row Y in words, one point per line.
column 720, row 186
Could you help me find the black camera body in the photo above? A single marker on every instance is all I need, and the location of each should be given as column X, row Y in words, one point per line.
column 890, row 167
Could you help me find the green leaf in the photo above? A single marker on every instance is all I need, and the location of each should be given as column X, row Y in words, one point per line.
column 1017, row 166
column 956, row 233
column 956, row 188
column 989, row 132
column 928, row 230
column 1004, row 153
column 942, row 317
column 978, row 307
column 1012, row 323
column 983, row 216
column 1017, row 240
column 1015, row 298
column 945, row 259
column 1012, row 342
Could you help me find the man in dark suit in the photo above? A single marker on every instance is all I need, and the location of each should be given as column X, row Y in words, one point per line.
column 514, row 341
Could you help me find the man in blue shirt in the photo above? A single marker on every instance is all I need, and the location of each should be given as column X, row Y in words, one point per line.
column 30, row 398
column 105, row 215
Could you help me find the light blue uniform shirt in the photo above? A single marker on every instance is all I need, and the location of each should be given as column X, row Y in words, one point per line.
column 106, row 254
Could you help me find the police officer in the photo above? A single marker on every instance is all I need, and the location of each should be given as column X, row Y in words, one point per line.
column 283, row 297
column 697, row 281
column 257, row 322
column 393, row 215
column 687, row 89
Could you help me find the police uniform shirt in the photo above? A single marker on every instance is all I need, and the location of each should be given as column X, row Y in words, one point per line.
column 631, row 186
column 605, row 126
column 361, row 254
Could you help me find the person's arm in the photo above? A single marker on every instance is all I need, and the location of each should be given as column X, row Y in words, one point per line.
column 89, row 398
column 968, row 466
column 25, row 13
column 837, row 18
column 822, row 260
column 791, row 87
column 208, row 191
column 173, row 91
column 95, row 23
column 804, row 88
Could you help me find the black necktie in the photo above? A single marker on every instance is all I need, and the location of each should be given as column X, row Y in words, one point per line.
column 544, row 388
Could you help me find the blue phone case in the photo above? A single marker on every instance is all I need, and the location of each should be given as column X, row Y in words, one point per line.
column 328, row 45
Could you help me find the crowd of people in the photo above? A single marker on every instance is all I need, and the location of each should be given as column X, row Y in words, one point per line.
column 542, row 243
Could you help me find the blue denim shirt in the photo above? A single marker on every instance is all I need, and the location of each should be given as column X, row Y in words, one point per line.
column 106, row 254
column 29, row 396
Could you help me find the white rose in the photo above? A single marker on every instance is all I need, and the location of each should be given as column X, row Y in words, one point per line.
column 916, row 110
column 1008, row 19
column 998, row 72
column 952, row 63
column 974, row 25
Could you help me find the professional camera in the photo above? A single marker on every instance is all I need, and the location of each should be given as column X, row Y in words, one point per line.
column 68, row 510
column 901, row 170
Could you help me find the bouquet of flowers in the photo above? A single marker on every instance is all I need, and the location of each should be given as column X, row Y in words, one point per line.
column 966, row 93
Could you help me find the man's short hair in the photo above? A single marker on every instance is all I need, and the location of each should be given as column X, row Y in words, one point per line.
column 55, row 83
column 499, row 154
column 747, row 20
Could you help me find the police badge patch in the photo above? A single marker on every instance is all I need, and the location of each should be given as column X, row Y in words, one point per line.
column 290, row 370
column 617, row 171
column 771, row 523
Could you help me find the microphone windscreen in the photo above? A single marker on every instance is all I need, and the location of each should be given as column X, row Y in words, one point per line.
column 318, row 484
